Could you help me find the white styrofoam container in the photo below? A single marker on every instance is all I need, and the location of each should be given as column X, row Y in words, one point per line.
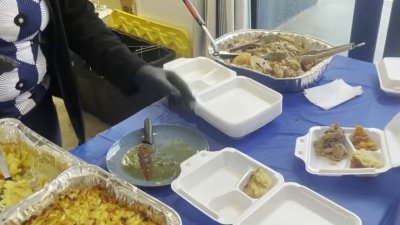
column 213, row 182
column 236, row 105
column 389, row 75
column 388, row 152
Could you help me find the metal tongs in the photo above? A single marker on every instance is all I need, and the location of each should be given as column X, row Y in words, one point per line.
column 314, row 56
column 200, row 21
column 4, row 167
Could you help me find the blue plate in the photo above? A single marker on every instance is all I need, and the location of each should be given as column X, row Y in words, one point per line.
column 172, row 144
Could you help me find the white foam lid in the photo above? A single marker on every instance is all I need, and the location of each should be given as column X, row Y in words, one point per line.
column 388, row 152
column 236, row 105
column 213, row 183
column 392, row 67
column 392, row 135
column 389, row 75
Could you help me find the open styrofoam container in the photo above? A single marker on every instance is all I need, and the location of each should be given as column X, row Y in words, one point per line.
column 213, row 183
column 389, row 75
column 388, row 141
column 236, row 105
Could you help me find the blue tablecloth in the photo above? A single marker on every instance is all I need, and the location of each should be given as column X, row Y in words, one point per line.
column 376, row 200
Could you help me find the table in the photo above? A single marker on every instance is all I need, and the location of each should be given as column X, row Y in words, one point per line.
column 376, row 199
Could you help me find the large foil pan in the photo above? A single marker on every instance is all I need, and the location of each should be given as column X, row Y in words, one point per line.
column 48, row 160
column 283, row 85
column 86, row 177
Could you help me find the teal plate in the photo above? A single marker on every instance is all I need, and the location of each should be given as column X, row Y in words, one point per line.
column 172, row 144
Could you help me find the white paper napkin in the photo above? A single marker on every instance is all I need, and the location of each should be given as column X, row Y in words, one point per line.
column 332, row 94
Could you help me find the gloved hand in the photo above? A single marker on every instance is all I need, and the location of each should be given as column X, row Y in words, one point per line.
column 168, row 83
column 7, row 64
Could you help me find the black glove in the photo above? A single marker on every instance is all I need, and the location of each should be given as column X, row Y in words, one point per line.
column 7, row 64
column 168, row 83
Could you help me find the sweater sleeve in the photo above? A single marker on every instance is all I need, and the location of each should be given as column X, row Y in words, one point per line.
column 90, row 38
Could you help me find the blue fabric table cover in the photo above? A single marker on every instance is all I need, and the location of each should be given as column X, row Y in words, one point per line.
column 375, row 199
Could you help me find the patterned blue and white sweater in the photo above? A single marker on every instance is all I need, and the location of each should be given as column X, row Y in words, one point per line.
column 21, row 25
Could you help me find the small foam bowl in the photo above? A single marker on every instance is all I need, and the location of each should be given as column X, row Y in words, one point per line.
column 213, row 183
column 388, row 152
column 236, row 105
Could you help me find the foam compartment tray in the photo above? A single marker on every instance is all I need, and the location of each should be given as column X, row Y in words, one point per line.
column 236, row 105
column 388, row 141
column 213, row 182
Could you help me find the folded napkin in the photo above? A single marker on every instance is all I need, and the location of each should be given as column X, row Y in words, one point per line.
column 332, row 94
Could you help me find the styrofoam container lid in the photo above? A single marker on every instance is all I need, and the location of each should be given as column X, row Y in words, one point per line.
column 213, row 183
column 389, row 75
column 388, row 152
column 236, row 105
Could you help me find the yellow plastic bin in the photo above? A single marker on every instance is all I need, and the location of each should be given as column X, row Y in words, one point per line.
column 175, row 39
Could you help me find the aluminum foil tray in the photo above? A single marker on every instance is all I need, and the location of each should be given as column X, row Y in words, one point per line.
column 46, row 160
column 81, row 177
column 283, row 85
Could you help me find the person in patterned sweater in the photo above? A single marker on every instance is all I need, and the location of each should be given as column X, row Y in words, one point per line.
column 36, row 37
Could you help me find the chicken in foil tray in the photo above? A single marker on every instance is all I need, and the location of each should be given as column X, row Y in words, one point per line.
column 276, row 54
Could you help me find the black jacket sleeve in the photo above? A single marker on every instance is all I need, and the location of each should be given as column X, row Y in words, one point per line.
column 89, row 37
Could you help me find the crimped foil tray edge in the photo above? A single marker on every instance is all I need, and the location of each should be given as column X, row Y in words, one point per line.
column 84, row 176
column 14, row 131
column 42, row 143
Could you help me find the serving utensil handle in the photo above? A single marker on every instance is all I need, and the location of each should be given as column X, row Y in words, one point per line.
column 202, row 24
column 148, row 131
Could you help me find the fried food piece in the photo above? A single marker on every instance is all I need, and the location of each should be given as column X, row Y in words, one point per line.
column 242, row 59
column 259, row 183
column 361, row 140
column 330, row 145
column 365, row 159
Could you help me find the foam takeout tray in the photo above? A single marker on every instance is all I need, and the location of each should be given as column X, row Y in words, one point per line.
column 388, row 153
column 389, row 75
column 236, row 105
column 213, row 183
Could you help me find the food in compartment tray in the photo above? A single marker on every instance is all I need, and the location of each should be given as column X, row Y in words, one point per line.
column 331, row 143
column 274, row 54
column 258, row 184
column 28, row 173
column 95, row 205
column 361, row 140
column 365, row 159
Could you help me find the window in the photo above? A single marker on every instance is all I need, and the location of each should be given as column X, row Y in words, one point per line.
column 329, row 20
